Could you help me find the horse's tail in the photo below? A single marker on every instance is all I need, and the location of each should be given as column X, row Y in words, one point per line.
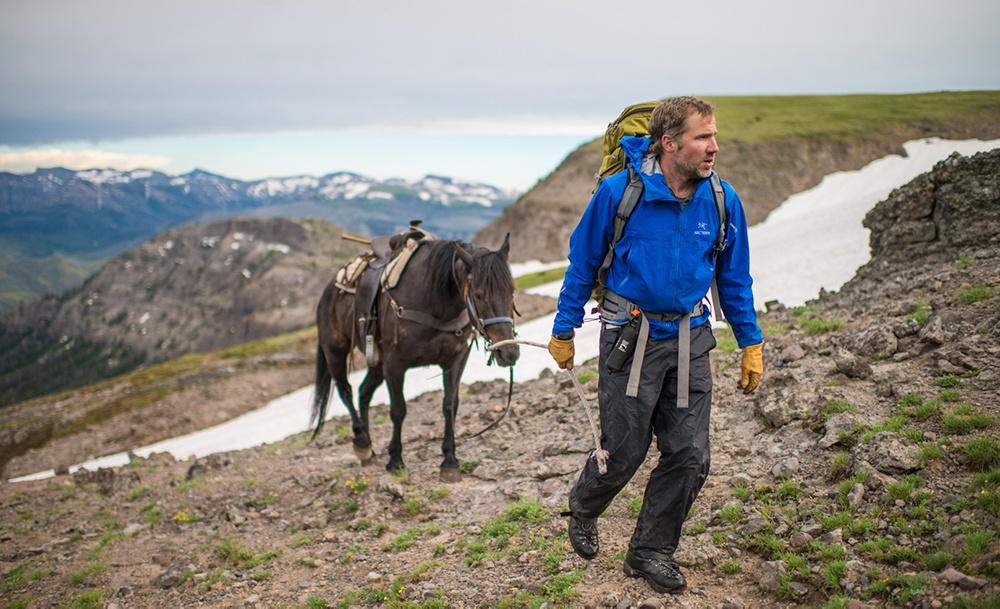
column 321, row 394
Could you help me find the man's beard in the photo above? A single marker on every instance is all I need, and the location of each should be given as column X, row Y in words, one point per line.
column 690, row 171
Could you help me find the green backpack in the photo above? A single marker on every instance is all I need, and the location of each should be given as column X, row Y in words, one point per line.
column 634, row 121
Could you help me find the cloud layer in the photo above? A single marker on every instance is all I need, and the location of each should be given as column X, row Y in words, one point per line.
column 26, row 162
column 113, row 69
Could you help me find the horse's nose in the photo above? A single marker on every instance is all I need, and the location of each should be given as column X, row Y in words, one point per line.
column 507, row 355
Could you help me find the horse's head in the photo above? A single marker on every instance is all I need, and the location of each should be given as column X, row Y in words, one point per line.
column 489, row 293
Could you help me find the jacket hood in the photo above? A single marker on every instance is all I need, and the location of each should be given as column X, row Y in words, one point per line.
column 634, row 149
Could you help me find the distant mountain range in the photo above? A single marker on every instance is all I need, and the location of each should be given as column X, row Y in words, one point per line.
column 58, row 225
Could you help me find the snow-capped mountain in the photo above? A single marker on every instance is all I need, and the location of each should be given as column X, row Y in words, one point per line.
column 54, row 214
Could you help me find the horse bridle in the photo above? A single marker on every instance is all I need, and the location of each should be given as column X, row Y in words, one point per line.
column 480, row 324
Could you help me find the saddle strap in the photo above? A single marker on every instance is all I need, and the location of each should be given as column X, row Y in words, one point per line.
column 456, row 325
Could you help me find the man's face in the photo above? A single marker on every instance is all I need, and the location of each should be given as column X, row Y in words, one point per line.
column 697, row 147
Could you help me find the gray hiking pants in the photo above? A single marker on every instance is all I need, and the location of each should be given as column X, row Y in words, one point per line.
column 628, row 426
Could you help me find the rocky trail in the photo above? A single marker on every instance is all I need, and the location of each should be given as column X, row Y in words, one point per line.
column 864, row 472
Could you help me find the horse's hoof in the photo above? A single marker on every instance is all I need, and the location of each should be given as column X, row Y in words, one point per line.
column 364, row 453
column 395, row 467
column 450, row 474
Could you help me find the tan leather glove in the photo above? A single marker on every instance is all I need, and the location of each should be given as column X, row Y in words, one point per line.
column 562, row 351
column 752, row 367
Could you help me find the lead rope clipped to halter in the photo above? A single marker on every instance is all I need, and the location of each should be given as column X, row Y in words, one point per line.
column 599, row 454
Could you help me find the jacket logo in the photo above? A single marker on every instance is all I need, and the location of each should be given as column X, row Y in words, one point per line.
column 702, row 229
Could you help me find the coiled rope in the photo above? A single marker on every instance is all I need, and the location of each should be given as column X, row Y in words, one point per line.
column 599, row 454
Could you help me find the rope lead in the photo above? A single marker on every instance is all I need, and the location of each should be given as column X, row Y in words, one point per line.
column 599, row 454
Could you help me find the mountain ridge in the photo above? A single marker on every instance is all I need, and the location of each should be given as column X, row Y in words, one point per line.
column 54, row 217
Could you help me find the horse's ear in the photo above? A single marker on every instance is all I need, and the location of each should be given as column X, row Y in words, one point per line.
column 505, row 248
column 463, row 255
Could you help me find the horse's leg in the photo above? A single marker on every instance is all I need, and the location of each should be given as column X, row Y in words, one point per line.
column 362, row 439
column 450, row 471
column 397, row 412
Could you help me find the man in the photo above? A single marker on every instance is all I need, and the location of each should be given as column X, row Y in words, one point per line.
column 661, row 270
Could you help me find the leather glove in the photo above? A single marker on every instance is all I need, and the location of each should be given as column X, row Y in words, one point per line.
column 562, row 351
column 752, row 367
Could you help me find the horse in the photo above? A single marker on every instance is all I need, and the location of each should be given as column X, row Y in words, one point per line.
column 449, row 292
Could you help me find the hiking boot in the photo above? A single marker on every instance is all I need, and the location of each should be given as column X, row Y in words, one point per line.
column 583, row 535
column 662, row 575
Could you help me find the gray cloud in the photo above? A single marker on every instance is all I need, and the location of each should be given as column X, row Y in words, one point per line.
column 108, row 69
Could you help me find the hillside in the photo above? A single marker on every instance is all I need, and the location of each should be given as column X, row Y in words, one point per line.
column 864, row 472
column 57, row 226
column 188, row 290
column 771, row 148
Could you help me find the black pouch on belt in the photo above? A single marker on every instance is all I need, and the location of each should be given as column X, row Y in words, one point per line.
column 625, row 344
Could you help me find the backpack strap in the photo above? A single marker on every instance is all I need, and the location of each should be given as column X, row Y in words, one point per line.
column 720, row 241
column 633, row 192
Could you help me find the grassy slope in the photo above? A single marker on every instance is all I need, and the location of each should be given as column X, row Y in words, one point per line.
column 851, row 118
column 772, row 148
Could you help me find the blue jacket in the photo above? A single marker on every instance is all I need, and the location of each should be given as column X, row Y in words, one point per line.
column 664, row 261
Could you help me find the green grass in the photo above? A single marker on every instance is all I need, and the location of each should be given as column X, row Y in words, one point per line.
column 725, row 340
column 975, row 294
column 234, row 554
column 840, row 465
column 79, row 576
column 814, row 325
column 964, row 418
column 531, row 280
column 921, row 312
column 983, row 453
column 846, row 117
column 22, row 574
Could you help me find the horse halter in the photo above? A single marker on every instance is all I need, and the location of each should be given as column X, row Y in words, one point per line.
column 480, row 324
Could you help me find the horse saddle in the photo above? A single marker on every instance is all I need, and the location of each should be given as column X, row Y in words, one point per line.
column 367, row 273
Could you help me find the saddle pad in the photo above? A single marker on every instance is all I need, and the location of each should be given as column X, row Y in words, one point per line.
column 350, row 273
column 394, row 270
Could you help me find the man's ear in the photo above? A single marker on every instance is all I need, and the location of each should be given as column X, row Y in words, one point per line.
column 668, row 143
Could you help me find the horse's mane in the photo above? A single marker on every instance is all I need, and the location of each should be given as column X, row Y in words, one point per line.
column 492, row 269
column 489, row 267
column 440, row 266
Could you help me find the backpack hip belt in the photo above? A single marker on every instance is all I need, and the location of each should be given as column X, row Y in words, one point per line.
column 623, row 312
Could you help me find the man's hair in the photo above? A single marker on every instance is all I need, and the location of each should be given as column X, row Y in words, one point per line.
column 670, row 118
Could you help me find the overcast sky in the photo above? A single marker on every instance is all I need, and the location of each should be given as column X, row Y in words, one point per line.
column 497, row 92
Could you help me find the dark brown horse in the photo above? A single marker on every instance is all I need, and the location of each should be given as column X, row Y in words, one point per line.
column 449, row 291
